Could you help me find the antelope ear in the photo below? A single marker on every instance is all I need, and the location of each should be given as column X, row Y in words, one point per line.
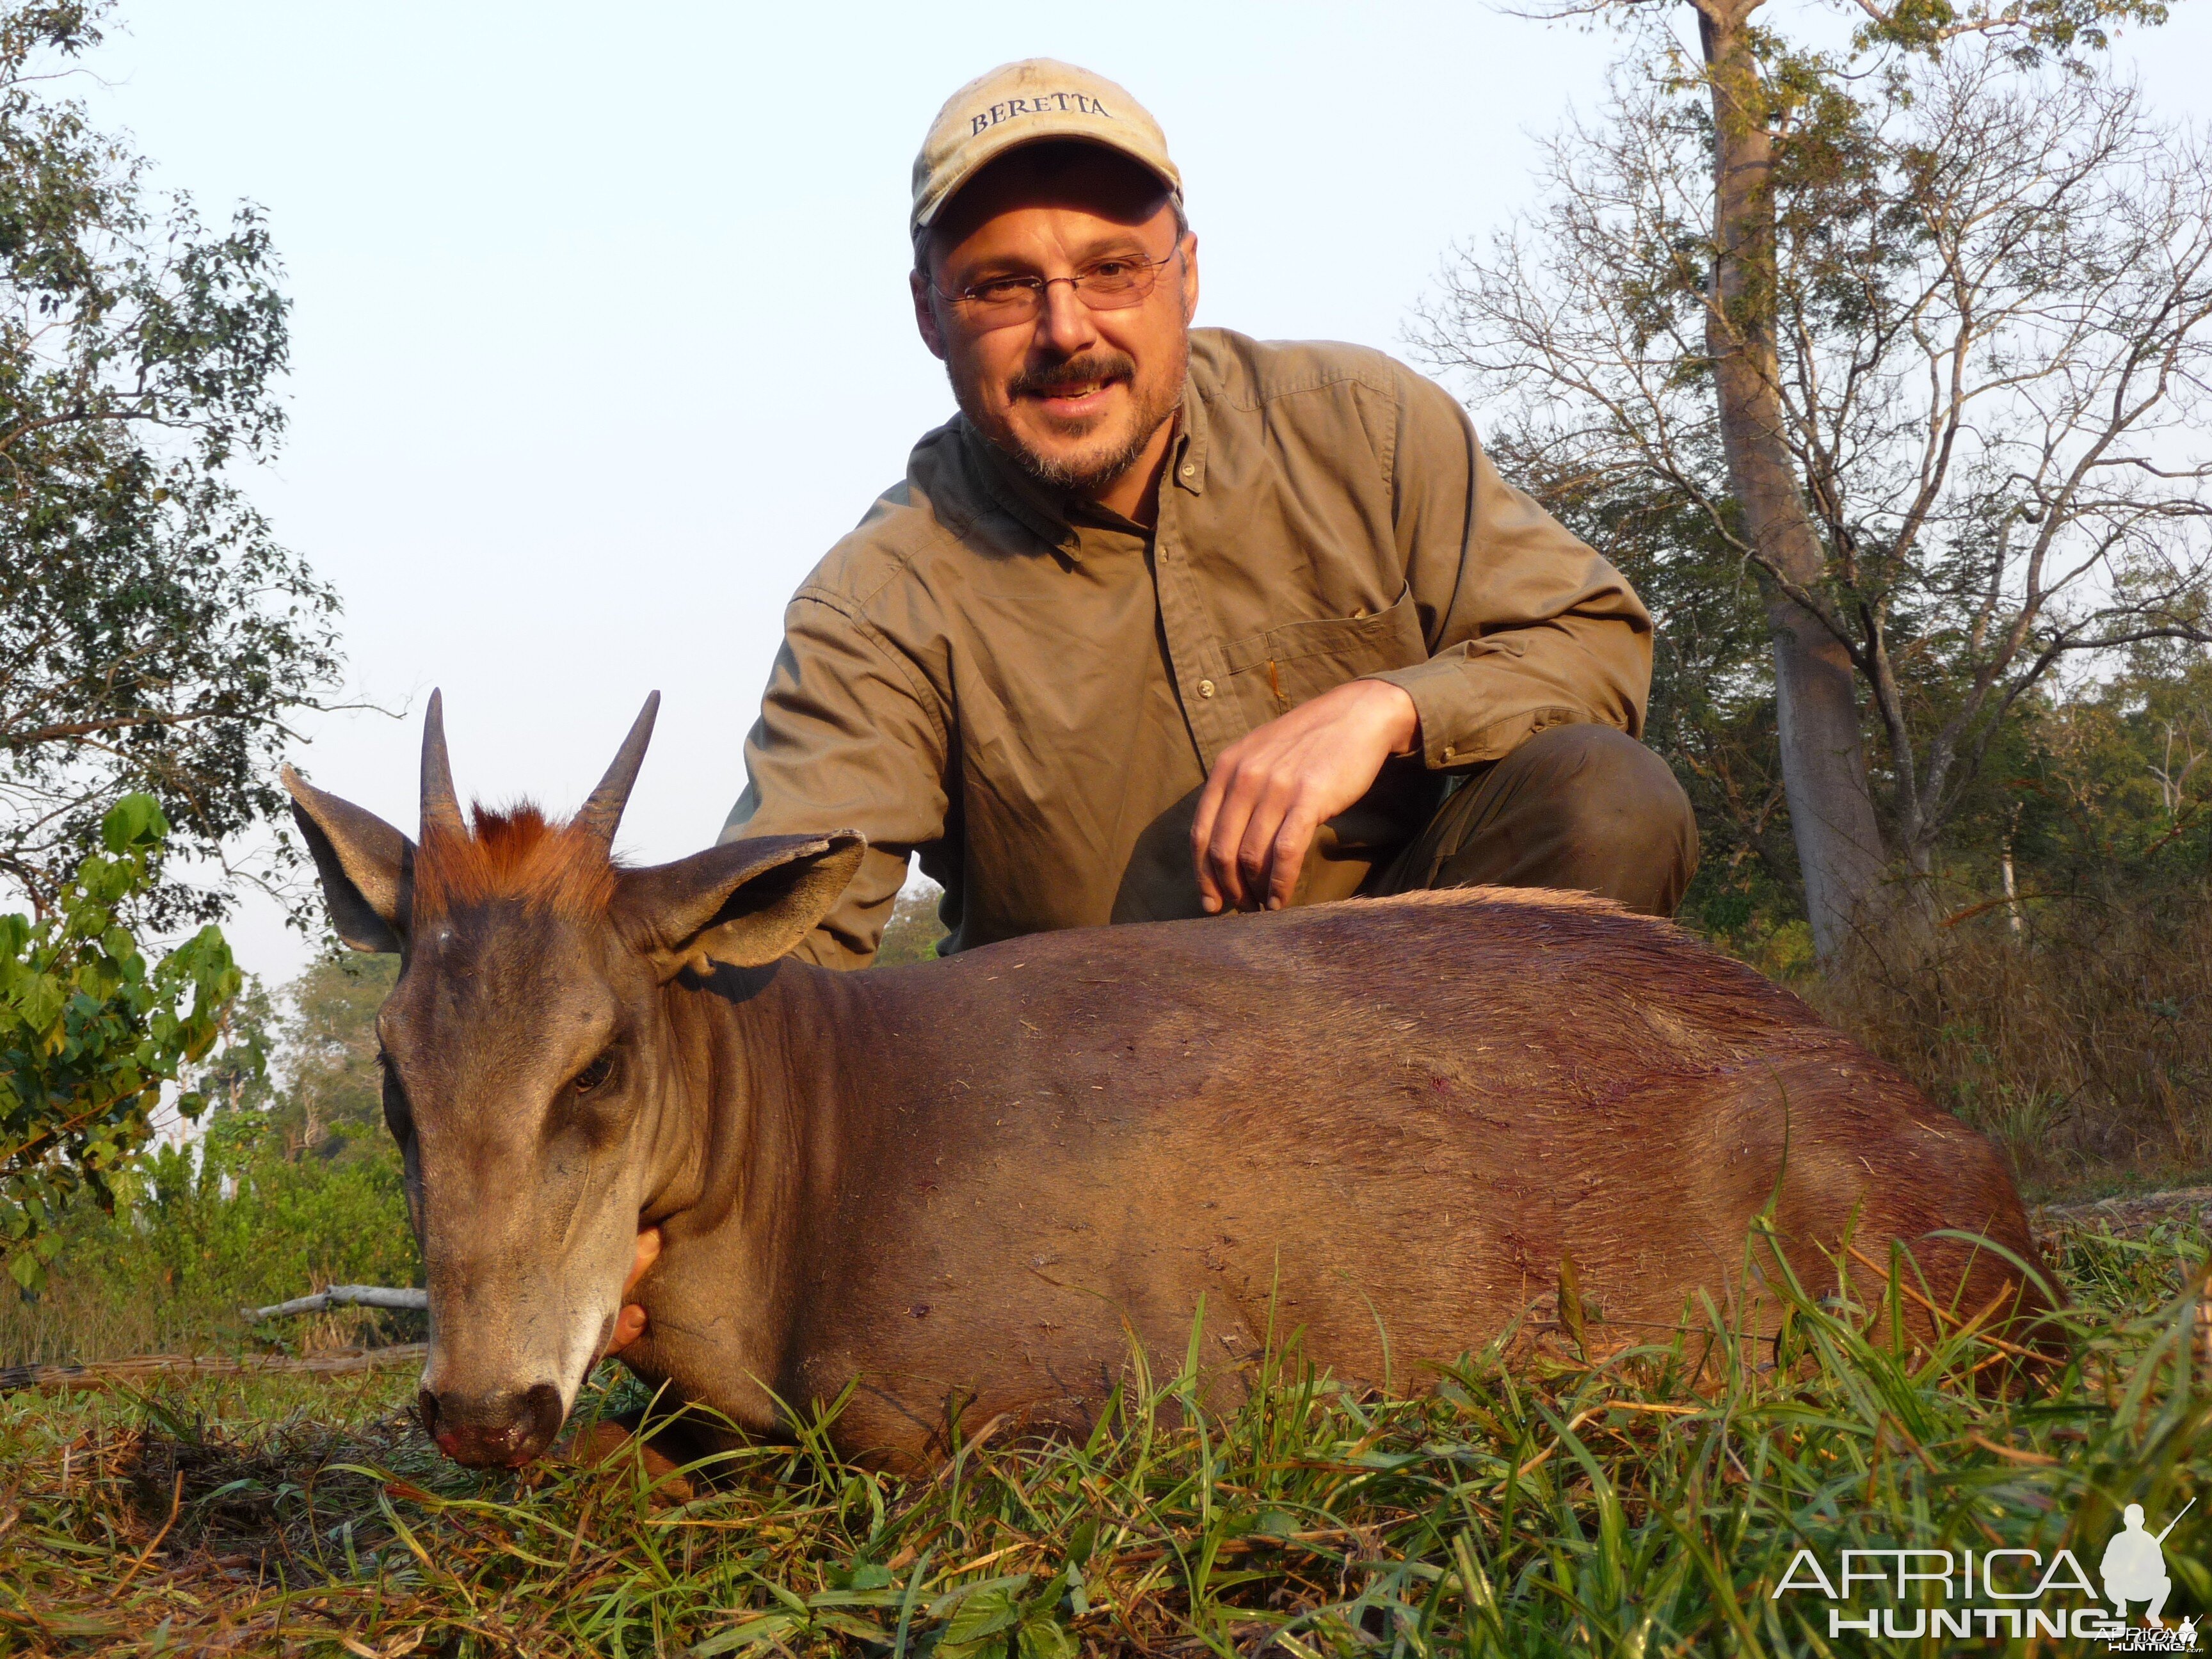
column 367, row 867
column 743, row 903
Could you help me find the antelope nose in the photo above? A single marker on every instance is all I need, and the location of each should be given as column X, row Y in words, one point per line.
column 501, row 1429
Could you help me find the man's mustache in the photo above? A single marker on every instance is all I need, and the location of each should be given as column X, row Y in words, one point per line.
column 1099, row 366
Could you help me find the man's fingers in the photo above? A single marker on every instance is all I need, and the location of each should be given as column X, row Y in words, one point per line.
column 647, row 1252
column 1202, row 832
column 629, row 1325
column 1288, row 856
column 1267, row 795
column 1256, row 852
column 1279, row 816
column 1226, row 839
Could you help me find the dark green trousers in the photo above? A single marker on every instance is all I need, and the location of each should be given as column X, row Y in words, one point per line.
column 1583, row 807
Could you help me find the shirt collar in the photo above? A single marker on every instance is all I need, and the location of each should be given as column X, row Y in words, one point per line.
column 1042, row 512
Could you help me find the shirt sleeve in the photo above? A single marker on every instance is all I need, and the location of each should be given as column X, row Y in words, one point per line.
column 1526, row 626
column 849, row 738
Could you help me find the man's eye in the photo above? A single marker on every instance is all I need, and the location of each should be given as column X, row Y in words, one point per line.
column 1110, row 269
column 999, row 289
column 595, row 1074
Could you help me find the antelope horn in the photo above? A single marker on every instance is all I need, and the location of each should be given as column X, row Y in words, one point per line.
column 603, row 812
column 440, row 809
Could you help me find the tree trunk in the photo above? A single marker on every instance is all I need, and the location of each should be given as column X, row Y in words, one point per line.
column 1824, row 773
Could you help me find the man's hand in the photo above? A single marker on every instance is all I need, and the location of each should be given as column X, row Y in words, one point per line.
column 1272, row 788
column 629, row 1323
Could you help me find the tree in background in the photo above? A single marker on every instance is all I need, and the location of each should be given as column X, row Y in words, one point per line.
column 330, row 1101
column 2111, row 789
column 912, row 933
column 298, row 1074
column 235, row 1078
column 1917, row 332
column 154, row 635
column 1712, row 687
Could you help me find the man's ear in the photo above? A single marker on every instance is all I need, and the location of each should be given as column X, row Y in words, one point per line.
column 367, row 867
column 925, row 316
column 743, row 903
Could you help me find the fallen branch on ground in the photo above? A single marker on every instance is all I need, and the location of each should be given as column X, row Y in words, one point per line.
column 343, row 1295
column 2129, row 1212
column 106, row 1373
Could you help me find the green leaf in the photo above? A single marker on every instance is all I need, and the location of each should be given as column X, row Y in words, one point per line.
column 28, row 1271
column 134, row 823
column 1043, row 1637
column 984, row 1613
column 39, row 999
column 953, row 1597
column 861, row 1576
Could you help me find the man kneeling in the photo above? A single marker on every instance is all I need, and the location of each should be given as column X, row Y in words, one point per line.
column 1169, row 621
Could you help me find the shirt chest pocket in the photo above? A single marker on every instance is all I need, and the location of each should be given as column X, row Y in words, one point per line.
column 1288, row 666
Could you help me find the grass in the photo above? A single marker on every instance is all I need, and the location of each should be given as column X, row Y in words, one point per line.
column 1639, row 1505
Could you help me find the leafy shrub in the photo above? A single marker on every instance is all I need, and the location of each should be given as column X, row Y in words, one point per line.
column 90, row 1036
column 199, row 1233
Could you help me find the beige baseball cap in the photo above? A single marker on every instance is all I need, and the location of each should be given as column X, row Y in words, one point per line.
column 1022, row 103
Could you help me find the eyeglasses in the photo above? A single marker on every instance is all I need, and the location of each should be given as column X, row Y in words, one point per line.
column 1114, row 283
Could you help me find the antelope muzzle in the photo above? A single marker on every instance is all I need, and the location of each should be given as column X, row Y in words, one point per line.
column 496, row 1430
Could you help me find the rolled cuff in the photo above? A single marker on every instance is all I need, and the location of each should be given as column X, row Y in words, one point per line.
column 1462, row 727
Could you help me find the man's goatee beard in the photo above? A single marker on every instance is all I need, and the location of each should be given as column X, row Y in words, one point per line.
column 1091, row 477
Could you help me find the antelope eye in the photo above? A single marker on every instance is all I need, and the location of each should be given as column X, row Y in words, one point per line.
column 399, row 1117
column 595, row 1074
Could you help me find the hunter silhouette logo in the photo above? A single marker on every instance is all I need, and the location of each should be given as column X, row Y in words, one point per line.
column 2133, row 1567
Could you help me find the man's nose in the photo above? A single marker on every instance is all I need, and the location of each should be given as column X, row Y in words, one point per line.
column 1065, row 325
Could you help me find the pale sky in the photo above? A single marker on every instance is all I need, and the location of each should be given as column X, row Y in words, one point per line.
column 601, row 337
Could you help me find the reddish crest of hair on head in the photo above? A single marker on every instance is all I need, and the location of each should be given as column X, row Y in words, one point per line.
column 517, row 854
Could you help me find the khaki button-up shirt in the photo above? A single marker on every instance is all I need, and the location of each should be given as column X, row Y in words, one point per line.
column 1028, row 692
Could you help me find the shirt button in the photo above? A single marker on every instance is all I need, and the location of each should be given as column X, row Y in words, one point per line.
column 1448, row 753
column 1205, row 688
column 1189, row 470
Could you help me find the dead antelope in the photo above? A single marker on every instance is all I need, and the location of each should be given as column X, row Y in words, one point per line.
column 962, row 1185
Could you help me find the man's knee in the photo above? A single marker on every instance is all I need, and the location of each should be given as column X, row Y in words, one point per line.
column 1591, row 808
column 1611, row 796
